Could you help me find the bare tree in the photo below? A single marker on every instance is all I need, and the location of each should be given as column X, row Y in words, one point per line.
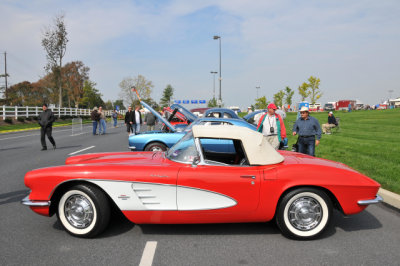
column 55, row 43
column 142, row 85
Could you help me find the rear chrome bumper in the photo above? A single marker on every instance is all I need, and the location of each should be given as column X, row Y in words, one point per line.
column 35, row 203
column 372, row 201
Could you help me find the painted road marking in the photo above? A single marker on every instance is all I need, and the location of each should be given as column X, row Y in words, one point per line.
column 148, row 253
column 75, row 152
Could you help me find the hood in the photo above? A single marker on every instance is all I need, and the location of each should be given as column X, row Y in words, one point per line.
column 189, row 115
column 117, row 158
column 159, row 117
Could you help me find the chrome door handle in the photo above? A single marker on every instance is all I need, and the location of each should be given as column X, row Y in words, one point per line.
column 248, row 176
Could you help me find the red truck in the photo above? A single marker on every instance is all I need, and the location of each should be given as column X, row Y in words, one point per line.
column 344, row 104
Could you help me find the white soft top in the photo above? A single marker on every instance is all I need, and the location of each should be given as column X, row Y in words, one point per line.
column 258, row 149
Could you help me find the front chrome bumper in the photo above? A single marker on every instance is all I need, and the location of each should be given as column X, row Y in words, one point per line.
column 26, row 201
column 372, row 201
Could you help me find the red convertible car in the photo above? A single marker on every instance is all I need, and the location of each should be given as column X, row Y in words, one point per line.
column 193, row 183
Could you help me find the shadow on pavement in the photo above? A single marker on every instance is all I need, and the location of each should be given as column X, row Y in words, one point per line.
column 211, row 229
column 66, row 147
column 14, row 196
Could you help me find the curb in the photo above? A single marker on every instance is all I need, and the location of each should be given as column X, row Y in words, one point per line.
column 390, row 198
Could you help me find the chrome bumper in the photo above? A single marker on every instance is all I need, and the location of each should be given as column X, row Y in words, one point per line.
column 372, row 201
column 132, row 147
column 26, row 201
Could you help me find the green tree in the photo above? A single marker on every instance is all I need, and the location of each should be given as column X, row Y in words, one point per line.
column 120, row 103
column 288, row 95
column 315, row 92
column 108, row 105
column 278, row 98
column 55, row 44
column 212, row 102
column 304, row 91
column 91, row 96
column 167, row 95
column 261, row 103
column 142, row 85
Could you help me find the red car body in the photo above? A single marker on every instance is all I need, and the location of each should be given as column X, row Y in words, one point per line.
column 245, row 194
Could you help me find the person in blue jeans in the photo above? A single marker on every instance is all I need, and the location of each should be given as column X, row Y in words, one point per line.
column 115, row 117
column 307, row 128
column 95, row 116
column 102, row 125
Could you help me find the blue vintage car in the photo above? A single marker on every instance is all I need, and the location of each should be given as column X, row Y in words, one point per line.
column 221, row 113
column 168, row 135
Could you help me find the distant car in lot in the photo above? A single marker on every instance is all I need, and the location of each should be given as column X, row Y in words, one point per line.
column 253, row 117
column 169, row 135
column 221, row 113
column 244, row 181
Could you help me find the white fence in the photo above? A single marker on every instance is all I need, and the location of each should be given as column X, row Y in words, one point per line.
column 29, row 111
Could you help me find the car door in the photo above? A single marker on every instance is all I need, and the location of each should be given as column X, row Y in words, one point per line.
column 214, row 187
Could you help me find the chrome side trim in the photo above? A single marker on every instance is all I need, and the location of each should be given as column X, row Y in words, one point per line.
column 372, row 201
column 26, row 201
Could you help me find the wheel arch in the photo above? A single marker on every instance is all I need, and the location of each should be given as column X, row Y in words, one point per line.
column 154, row 141
column 63, row 187
column 329, row 193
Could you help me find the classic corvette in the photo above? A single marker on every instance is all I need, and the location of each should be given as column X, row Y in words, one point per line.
column 251, row 182
column 169, row 135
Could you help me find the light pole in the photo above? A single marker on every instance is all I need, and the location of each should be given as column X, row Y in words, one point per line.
column 220, row 79
column 257, row 88
column 214, row 72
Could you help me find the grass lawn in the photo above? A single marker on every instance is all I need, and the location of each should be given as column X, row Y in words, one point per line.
column 35, row 125
column 368, row 141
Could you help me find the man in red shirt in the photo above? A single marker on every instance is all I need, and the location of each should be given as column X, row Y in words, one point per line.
column 272, row 127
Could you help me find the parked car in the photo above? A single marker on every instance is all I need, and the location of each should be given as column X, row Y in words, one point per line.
column 169, row 135
column 253, row 117
column 221, row 113
column 248, row 181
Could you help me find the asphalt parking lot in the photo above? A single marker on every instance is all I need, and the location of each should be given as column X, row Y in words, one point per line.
column 369, row 238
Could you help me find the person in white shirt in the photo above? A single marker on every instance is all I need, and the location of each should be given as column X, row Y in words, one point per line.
column 137, row 119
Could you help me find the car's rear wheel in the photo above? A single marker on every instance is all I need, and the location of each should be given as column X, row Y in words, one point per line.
column 304, row 213
column 84, row 211
column 156, row 146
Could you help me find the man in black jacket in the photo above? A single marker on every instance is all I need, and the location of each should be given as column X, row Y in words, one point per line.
column 129, row 120
column 46, row 119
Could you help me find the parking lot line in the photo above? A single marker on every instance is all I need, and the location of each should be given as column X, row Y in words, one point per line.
column 148, row 253
column 75, row 152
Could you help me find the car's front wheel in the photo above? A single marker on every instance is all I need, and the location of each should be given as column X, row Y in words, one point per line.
column 156, row 146
column 304, row 213
column 84, row 211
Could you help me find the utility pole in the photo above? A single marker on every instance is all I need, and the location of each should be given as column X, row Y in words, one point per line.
column 5, row 74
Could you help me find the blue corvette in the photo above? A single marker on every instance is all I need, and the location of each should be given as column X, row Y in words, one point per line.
column 168, row 136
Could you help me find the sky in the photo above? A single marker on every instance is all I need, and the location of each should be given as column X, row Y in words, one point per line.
column 352, row 46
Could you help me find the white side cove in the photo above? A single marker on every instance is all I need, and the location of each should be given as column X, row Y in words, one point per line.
column 136, row 196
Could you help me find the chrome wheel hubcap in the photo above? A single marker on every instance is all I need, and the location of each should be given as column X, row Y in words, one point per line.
column 305, row 213
column 79, row 211
column 156, row 148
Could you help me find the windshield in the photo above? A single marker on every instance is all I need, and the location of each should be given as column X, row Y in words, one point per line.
column 184, row 151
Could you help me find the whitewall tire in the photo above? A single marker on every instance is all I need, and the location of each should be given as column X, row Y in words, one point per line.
column 84, row 211
column 304, row 213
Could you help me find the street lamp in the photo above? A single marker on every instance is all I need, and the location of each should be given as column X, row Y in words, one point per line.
column 220, row 79
column 214, row 72
column 257, row 88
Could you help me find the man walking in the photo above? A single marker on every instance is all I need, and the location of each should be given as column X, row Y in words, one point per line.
column 150, row 121
column 128, row 120
column 326, row 128
column 272, row 127
column 115, row 117
column 137, row 119
column 46, row 119
column 307, row 127
column 95, row 116
column 103, row 126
